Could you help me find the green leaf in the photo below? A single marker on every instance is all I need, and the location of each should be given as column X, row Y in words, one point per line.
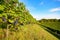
column 1, row 7
column 11, row 21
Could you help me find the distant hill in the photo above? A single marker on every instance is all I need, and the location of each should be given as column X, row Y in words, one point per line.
column 51, row 25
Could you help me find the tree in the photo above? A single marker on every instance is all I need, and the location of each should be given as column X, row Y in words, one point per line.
column 13, row 14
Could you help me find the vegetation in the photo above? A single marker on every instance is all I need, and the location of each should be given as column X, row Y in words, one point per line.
column 16, row 23
column 29, row 32
column 51, row 25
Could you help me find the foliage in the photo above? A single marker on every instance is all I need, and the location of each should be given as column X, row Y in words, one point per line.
column 14, row 13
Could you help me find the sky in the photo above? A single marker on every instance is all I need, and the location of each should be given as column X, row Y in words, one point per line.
column 43, row 9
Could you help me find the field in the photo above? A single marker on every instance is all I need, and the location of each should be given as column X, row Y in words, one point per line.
column 27, row 32
column 52, row 26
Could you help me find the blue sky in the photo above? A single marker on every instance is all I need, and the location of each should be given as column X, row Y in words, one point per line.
column 47, row 9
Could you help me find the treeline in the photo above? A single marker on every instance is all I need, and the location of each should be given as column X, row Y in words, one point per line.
column 49, row 20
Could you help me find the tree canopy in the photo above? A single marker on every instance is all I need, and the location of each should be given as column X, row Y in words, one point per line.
column 14, row 13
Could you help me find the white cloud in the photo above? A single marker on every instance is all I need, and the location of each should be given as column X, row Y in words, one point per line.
column 41, row 3
column 52, row 16
column 47, row 16
column 54, row 9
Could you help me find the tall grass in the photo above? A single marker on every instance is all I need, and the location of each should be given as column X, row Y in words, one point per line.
column 28, row 32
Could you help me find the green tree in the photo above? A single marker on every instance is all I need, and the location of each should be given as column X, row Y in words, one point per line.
column 13, row 14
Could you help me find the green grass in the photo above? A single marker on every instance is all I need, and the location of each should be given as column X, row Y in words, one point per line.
column 28, row 32
column 53, row 25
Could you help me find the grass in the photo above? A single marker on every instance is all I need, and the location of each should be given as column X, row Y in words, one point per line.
column 53, row 25
column 29, row 32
